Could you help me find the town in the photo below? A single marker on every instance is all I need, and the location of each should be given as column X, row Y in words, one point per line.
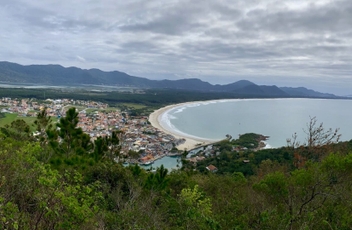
column 140, row 142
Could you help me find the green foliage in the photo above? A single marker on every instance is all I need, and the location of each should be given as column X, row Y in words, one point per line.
column 72, row 138
column 157, row 181
column 43, row 125
column 196, row 210
column 230, row 161
column 274, row 186
column 32, row 195
column 10, row 215
column 133, row 154
column 248, row 140
column 151, row 98
column 107, row 147
column 297, row 196
column 8, row 118
column 18, row 129
column 43, row 121
column 239, row 177
column 86, row 189
column 196, row 204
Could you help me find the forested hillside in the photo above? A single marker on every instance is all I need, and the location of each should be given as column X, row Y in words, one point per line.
column 56, row 75
column 59, row 179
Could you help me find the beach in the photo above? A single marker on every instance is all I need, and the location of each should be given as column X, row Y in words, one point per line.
column 190, row 143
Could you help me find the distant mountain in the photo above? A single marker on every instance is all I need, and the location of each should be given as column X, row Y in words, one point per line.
column 186, row 84
column 72, row 76
column 304, row 92
column 59, row 75
column 234, row 86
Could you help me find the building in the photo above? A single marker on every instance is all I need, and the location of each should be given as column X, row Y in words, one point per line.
column 212, row 168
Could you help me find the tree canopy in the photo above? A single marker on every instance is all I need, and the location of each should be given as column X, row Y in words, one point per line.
column 69, row 182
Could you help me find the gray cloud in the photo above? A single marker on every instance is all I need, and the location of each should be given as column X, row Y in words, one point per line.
column 292, row 42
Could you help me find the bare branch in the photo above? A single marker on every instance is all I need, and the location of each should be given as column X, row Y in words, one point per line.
column 318, row 136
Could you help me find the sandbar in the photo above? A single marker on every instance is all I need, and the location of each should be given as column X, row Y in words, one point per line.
column 190, row 143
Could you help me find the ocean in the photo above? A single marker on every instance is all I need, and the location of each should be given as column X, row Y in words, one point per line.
column 277, row 118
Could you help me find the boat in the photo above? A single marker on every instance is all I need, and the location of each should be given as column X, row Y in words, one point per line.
column 147, row 163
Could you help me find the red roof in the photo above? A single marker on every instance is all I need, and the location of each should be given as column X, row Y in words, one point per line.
column 212, row 168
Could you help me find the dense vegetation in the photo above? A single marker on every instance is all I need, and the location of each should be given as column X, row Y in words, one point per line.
column 150, row 99
column 75, row 184
column 249, row 140
column 55, row 75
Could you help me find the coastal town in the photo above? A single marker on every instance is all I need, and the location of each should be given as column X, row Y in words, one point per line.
column 142, row 140
column 98, row 120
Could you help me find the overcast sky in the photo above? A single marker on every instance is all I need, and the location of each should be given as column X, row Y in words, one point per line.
column 283, row 42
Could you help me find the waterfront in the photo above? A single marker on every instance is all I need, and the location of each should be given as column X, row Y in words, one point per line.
column 194, row 124
column 170, row 163
column 277, row 118
column 98, row 120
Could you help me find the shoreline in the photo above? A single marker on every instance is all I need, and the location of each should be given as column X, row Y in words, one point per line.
column 190, row 142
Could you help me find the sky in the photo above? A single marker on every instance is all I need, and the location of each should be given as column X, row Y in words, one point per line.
column 269, row 42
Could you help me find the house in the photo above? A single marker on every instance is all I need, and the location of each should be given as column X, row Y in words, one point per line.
column 212, row 168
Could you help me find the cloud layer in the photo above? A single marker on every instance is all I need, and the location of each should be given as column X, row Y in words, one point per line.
column 291, row 42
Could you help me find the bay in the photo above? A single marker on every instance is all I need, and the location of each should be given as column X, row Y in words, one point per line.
column 277, row 118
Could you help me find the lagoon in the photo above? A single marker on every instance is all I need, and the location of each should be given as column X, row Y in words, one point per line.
column 170, row 163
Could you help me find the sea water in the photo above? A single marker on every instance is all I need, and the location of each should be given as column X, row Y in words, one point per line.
column 277, row 118
column 170, row 163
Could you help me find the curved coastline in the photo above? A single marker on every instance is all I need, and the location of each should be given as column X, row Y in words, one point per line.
column 191, row 141
column 160, row 119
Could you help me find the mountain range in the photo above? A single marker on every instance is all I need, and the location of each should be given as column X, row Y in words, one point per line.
column 57, row 75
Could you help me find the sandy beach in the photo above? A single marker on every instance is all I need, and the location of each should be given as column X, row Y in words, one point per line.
column 190, row 142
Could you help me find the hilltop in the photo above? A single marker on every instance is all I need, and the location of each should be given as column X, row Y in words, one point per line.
column 57, row 75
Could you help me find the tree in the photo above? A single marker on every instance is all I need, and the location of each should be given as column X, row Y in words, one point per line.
column 196, row 210
column 318, row 142
column 71, row 139
column 157, row 181
column 100, row 147
column 42, row 124
column 113, row 144
column 317, row 135
column 43, row 121
column 307, row 196
column 107, row 147
column 18, row 129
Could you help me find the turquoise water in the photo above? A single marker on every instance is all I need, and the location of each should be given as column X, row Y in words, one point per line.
column 170, row 163
column 277, row 118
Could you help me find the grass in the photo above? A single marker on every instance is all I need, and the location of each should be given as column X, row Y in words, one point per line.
column 134, row 106
column 10, row 117
column 78, row 107
column 111, row 109
column 91, row 110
